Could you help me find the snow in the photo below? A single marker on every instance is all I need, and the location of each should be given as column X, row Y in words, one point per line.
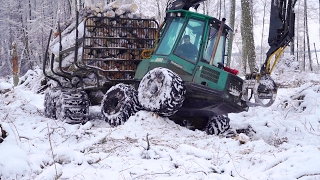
column 285, row 144
column 5, row 85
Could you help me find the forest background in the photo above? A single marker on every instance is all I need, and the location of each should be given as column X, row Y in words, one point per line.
column 25, row 25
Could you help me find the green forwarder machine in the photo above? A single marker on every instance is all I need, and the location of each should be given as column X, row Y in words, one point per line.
column 196, row 90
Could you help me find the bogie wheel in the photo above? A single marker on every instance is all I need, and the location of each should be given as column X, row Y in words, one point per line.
column 119, row 103
column 50, row 100
column 218, row 125
column 161, row 91
column 73, row 106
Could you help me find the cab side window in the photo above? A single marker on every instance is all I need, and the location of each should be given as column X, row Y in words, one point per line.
column 189, row 44
column 219, row 56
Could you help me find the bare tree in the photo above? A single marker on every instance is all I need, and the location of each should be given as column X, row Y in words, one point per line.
column 248, row 48
column 205, row 7
column 307, row 33
column 219, row 10
column 304, row 43
column 315, row 51
column 28, row 23
column 232, row 20
column 25, row 59
column 302, row 65
column 263, row 22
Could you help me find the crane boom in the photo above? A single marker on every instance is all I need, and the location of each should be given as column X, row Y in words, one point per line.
column 281, row 31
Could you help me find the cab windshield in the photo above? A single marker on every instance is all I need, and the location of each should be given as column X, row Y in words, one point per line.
column 171, row 36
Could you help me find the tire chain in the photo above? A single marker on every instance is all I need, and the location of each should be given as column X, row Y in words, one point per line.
column 130, row 105
column 219, row 125
column 73, row 106
column 177, row 96
column 50, row 100
column 168, row 105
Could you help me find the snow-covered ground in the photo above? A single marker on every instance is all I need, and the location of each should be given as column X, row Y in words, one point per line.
column 286, row 144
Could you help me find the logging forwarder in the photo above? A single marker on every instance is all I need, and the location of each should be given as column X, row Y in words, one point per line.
column 129, row 64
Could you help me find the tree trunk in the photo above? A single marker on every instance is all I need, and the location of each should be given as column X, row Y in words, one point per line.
column 206, row 7
column 232, row 20
column 307, row 34
column 292, row 46
column 263, row 22
column 304, row 44
column 247, row 35
column 244, row 53
column 315, row 51
column 298, row 41
column 219, row 10
column 26, row 63
column 159, row 11
column 15, row 65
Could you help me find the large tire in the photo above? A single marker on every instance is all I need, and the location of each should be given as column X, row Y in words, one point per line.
column 218, row 125
column 50, row 100
column 119, row 103
column 161, row 91
column 73, row 106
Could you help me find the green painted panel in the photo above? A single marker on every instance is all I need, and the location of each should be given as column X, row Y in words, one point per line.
column 142, row 69
column 211, row 76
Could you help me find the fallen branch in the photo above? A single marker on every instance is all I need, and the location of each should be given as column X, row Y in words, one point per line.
column 148, row 143
column 55, row 167
column 151, row 174
column 315, row 174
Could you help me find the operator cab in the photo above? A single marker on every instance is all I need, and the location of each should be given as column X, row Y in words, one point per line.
column 189, row 38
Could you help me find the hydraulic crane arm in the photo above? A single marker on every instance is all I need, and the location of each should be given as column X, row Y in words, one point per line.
column 281, row 31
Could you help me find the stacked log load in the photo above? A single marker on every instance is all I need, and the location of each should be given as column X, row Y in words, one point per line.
column 114, row 38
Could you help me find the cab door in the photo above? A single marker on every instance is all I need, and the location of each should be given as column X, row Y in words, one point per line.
column 212, row 75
